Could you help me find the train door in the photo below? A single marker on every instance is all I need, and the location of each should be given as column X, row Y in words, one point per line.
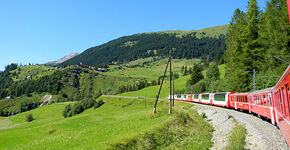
column 236, row 102
column 271, row 109
column 286, row 100
column 281, row 102
column 288, row 96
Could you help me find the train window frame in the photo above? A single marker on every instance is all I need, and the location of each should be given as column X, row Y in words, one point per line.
column 286, row 102
column 281, row 101
column 207, row 95
column 217, row 97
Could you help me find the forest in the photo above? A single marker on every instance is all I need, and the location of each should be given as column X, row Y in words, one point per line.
column 257, row 40
column 257, row 46
column 144, row 45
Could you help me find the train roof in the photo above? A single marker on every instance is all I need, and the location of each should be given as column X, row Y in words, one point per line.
column 262, row 91
column 285, row 74
column 240, row 94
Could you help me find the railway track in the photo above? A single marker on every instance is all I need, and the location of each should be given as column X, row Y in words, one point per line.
column 261, row 134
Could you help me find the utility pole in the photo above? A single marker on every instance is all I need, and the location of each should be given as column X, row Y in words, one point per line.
column 169, row 59
column 254, row 79
column 170, row 97
column 191, row 90
column 173, row 91
column 212, row 87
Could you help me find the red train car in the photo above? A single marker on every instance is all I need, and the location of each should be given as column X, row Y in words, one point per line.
column 239, row 101
column 281, row 99
column 261, row 103
column 206, row 98
column 222, row 99
column 196, row 98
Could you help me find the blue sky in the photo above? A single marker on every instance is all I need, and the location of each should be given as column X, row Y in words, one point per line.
column 38, row 31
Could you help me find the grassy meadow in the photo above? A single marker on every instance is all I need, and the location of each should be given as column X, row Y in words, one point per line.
column 117, row 122
column 179, row 84
column 36, row 71
column 151, row 71
column 93, row 129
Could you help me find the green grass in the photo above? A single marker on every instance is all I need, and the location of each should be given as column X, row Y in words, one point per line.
column 179, row 84
column 206, row 32
column 118, row 121
column 237, row 137
column 14, row 104
column 187, row 130
column 152, row 71
column 36, row 71
column 93, row 129
column 151, row 91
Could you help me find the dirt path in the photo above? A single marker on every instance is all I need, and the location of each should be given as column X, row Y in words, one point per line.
column 45, row 99
column 5, row 124
column 261, row 135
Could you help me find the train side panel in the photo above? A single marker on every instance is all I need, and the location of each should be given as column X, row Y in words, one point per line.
column 281, row 101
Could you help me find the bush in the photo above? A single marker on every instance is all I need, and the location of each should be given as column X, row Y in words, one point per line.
column 98, row 104
column 66, row 110
column 29, row 118
column 79, row 107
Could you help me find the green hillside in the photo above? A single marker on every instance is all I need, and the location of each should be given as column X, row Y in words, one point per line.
column 179, row 84
column 188, row 44
column 148, row 68
column 32, row 71
column 206, row 32
column 117, row 121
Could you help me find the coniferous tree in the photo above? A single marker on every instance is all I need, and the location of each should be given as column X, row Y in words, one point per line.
column 196, row 74
column 213, row 73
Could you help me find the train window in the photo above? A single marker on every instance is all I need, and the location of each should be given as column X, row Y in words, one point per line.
column 178, row 96
column 220, row 97
column 184, row 96
column 196, row 96
column 205, row 96
column 246, row 99
column 285, row 96
column 281, row 101
column 288, row 97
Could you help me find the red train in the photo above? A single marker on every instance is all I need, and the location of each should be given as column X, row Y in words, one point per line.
column 272, row 103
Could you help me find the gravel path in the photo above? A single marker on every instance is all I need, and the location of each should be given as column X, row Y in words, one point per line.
column 45, row 99
column 261, row 135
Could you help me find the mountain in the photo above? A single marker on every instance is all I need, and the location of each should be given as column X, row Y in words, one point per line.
column 63, row 59
column 188, row 44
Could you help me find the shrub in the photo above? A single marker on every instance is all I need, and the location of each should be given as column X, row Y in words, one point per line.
column 98, row 104
column 203, row 115
column 79, row 107
column 66, row 110
column 29, row 118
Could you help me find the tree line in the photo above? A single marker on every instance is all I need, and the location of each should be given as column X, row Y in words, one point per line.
column 148, row 45
column 255, row 38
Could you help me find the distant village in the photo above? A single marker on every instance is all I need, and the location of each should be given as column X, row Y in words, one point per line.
column 101, row 69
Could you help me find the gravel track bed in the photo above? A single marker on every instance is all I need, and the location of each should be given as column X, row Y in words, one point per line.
column 261, row 135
